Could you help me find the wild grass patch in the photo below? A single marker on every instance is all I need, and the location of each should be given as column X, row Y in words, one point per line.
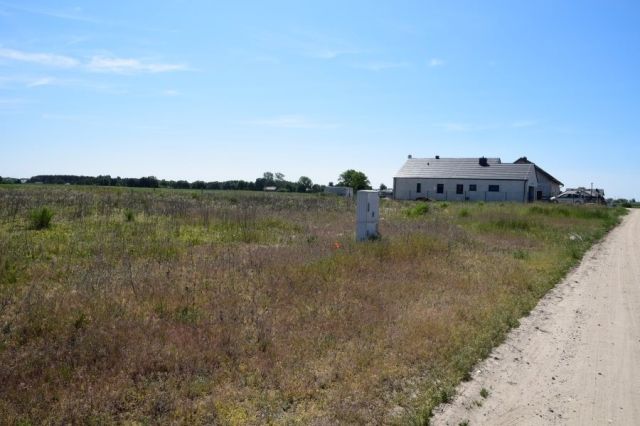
column 248, row 307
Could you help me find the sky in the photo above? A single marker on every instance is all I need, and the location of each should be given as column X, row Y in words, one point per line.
column 221, row 90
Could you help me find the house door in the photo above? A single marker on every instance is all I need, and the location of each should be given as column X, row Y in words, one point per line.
column 531, row 192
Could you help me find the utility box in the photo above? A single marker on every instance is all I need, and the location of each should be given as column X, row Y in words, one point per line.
column 367, row 215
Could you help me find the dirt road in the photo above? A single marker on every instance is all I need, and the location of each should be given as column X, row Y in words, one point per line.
column 576, row 359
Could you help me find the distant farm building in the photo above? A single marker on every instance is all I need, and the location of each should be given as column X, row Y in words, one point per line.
column 343, row 191
column 471, row 179
column 270, row 188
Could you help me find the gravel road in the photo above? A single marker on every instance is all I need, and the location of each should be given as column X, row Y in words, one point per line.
column 575, row 359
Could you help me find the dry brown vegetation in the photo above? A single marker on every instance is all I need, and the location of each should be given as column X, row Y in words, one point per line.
column 233, row 308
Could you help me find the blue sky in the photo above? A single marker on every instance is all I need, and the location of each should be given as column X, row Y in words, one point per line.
column 227, row 90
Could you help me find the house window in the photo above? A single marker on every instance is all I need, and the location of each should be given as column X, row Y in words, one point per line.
column 494, row 188
column 440, row 188
column 418, row 187
column 473, row 188
column 459, row 188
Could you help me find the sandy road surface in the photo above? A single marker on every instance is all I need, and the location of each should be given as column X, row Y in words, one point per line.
column 576, row 359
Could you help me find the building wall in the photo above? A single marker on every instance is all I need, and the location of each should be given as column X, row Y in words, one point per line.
column 509, row 190
column 548, row 187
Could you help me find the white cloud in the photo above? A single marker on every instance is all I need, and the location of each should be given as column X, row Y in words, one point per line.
column 96, row 63
column 43, row 81
column 436, row 62
column 290, row 122
column 47, row 59
column 171, row 92
column 12, row 105
column 381, row 65
column 130, row 66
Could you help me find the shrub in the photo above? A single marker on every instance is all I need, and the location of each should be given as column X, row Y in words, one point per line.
column 41, row 218
column 418, row 210
column 129, row 215
column 464, row 213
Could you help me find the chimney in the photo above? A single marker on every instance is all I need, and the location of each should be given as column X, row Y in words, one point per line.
column 437, row 157
column 409, row 156
column 483, row 162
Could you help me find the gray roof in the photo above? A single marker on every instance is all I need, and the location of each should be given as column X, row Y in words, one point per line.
column 463, row 168
column 524, row 160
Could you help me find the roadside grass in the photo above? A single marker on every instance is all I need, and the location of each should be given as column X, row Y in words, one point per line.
column 250, row 308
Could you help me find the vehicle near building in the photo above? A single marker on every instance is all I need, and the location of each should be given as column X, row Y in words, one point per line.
column 580, row 196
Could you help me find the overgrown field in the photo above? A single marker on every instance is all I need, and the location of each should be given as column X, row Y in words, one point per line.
column 167, row 306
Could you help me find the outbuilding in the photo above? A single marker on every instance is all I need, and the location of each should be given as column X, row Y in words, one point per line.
column 342, row 191
column 548, row 186
column 465, row 179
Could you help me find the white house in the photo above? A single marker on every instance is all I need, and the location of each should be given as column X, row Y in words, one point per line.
column 465, row 179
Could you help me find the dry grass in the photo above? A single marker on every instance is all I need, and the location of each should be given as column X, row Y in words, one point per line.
column 234, row 308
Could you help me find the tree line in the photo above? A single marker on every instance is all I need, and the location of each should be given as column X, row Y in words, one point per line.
column 269, row 181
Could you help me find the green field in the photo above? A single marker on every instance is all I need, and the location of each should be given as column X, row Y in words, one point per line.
column 204, row 307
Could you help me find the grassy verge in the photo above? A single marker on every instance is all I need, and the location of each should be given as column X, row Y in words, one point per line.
column 248, row 308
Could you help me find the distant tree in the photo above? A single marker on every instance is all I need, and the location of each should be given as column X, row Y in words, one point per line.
column 260, row 184
column 198, row 185
column 267, row 176
column 305, row 182
column 355, row 179
column 103, row 180
column 149, row 182
column 182, row 184
column 230, row 184
column 383, row 187
column 279, row 177
column 330, row 183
